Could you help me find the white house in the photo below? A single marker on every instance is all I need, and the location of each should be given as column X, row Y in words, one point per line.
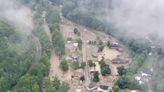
column 78, row 90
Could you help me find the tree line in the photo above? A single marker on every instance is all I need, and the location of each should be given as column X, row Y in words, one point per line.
column 53, row 19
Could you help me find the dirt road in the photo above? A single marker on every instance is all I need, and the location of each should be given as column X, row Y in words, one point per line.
column 38, row 52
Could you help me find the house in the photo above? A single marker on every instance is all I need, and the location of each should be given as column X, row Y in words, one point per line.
column 92, row 70
column 134, row 91
column 146, row 73
column 120, row 60
column 69, row 40
column 150, row 54
column 91, row 86
column 92, row 73
column 75, row 58
column 114, row 46
column 103, row 88
column 145, row 76
column 139, row 79
column 75, row 44
column 78, row 89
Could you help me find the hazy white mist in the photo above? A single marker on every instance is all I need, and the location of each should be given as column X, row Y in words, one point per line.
column 138, row 18
column 17, row 15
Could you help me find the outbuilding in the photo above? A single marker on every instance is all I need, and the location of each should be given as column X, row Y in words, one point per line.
column 91, row 86
column 103, row 88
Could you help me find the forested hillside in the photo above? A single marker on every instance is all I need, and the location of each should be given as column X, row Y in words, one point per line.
column 88, row 13
column 24, row 57
column 16, row 55
column 33, row 81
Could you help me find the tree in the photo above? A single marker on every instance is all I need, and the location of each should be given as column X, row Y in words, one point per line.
column 51, row 86
column 82, row 78
column 48, row 85
column 53, row 19
column 100, row 42
column 100, row 48
column 108, row 43
column 80, row 42
column 75, row 65
column 102, row 63
column 42, row 68
column 121, row 70
column 83, row 64
column 105, row 70
column 126, row 82
column 64, row 87
column 96, row 77
column 50, row 89
column 58, row 43
column 90, row 63
column 94, row 65
column 64, row 65
column 15, row 50
column 116, row 88
column 28, row 83
column 75, row 31
column 56, row 83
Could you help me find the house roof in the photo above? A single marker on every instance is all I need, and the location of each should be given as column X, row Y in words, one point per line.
column 75, row 44
column 114, row 45
column 120, row 59
column 147, row 71
column 91, row 85
column 104, row 87
column 138, row 78
column 78, row 90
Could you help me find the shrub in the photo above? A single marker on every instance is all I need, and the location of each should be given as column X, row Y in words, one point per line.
column 64, row 65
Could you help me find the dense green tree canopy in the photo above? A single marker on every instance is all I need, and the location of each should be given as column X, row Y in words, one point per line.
column 16, row 55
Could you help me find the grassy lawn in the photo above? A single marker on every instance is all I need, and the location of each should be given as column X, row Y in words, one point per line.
column 148, row 63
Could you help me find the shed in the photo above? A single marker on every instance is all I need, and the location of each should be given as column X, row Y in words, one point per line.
column 75, row 58
column 78, row 90
column 103, row 88
column 91, row 86
column 146, row 73
column 120, row 60
column 75, row 44
column 116, row 46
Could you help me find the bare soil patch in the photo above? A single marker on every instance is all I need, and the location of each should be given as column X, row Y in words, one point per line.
column 108, row 53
